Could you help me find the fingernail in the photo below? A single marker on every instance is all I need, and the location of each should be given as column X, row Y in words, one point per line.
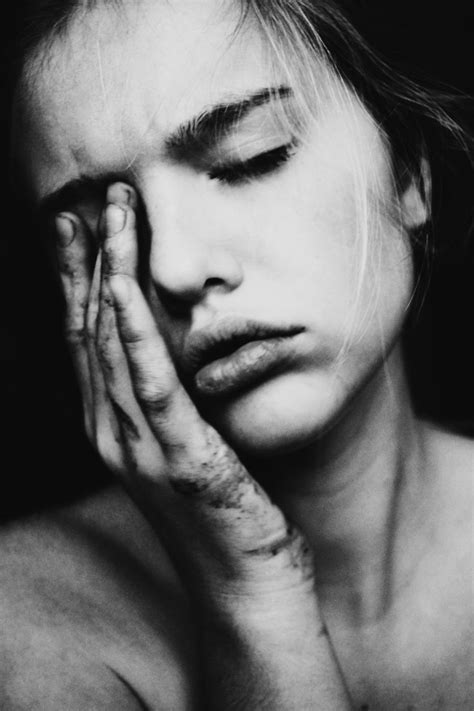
column 119, row 193
column 66, row 229
column 116, row 218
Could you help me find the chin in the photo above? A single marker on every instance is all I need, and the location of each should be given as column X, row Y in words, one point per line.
column 284, row 414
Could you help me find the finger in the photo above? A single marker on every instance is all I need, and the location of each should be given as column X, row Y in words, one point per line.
column 143, row 453
column 123, row 194
column 120, row 235
column 120, row 257
column 201, row 465
column 119, row 254
column 75, row 257
column 156, row 385
column 105, row 430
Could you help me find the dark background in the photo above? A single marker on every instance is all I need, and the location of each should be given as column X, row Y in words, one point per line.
column 45, row 457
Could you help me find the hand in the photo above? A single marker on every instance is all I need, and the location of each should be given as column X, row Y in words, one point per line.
column 248, row 571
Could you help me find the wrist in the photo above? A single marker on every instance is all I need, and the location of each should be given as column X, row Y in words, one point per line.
column 269, row 657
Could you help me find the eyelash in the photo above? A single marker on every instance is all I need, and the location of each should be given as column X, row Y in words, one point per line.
column 235, row 173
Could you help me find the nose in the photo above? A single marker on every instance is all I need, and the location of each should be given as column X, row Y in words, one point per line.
column 191, row 255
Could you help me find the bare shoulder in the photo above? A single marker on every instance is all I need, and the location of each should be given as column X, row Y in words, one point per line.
column 90, row 607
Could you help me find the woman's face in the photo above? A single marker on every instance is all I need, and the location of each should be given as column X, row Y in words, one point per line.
column 245, row 223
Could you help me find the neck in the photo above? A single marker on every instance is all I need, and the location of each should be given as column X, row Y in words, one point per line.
column 353, row 494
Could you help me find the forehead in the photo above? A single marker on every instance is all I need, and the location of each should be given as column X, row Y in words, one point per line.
column 121, row 77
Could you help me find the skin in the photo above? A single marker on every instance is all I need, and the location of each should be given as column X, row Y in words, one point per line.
column 344, row 607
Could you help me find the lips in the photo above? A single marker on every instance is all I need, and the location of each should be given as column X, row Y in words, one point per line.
column 235, row 354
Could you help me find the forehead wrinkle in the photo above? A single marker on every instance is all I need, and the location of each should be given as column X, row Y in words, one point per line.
column 105, row 95
column 122, row 14
column 90, row 75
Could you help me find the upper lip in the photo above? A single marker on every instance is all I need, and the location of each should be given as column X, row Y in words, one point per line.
column 223, row 338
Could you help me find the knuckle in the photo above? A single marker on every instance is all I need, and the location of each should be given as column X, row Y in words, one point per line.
column 132, row 337
column 216, row 455
column 76, row 308
column 107, row 300
column 154, row 400
column 188, row 486
column 105, row 354
column 213, row 474
column 75, row 335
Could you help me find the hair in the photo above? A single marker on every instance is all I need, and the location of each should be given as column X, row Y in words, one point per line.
column 423, row 124
column 420, row 122
column 314, row 42
column 427, row 131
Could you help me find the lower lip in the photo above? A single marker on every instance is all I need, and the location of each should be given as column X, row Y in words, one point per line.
column 245, row 367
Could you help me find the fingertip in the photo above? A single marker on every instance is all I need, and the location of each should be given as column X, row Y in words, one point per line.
column 122, row 194
column 118, row 228
column 66, row 228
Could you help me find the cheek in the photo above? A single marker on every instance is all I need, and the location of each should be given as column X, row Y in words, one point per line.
column 303, row 245
column 308, row 250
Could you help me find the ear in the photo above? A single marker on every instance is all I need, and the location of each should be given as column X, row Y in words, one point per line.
column 415, row 201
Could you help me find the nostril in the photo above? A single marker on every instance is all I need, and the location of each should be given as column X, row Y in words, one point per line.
column 179, row 302
column 213, row 281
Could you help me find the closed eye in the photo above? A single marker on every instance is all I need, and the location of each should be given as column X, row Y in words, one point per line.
column 236, row 172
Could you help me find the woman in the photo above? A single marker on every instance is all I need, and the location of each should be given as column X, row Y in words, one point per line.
column 239, row 196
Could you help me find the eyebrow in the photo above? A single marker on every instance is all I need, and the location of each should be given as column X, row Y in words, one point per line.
column 209, row 126
column 197, row 134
